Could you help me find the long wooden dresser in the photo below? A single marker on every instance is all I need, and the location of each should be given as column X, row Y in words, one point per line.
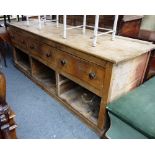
column 81, row 77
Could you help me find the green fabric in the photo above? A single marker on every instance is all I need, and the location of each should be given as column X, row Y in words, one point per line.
column 137, row 108
column 121, row 130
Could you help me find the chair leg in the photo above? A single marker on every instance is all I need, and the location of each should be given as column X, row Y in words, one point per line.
column 5, row 61
column 5, row 20
column 5, row 52
column 9, row 18
column 0, row 60
column 3, row 56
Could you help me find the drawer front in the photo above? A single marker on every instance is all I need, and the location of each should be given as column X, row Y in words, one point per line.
column 33, row 47
column 40, row 50
column 22, row 42
column 14, row 37
column 87, row 72
column 90, row 73
column 18, row 39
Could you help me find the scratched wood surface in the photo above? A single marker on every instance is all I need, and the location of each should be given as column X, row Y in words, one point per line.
column 121, row 49
column 127, row 75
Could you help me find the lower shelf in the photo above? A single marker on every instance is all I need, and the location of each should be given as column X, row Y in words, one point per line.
column 81, row 99
column 46, row 81
column 22, row 59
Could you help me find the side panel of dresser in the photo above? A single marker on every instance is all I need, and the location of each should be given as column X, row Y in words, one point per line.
column 120, row 79
column 128, row 75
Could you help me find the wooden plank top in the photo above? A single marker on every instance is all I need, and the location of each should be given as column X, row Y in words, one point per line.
column 121, row 49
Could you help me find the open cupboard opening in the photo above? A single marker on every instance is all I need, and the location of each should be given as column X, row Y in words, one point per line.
column 81, row 99
column 44, row 75
column 22, row 59
column 83, row 102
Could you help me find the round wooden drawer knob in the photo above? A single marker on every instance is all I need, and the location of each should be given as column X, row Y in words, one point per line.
column 92, row 75
column 48, row 54
column 63, row 62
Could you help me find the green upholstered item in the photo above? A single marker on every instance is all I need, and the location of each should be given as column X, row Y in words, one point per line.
column 137, row 108
column 121, row 130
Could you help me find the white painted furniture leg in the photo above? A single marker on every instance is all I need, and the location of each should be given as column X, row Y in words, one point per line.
column 57, row 20
column 84, row 24
column 39, row 22
column 95, row 30
column 44, row 19
column 27, row 21
column 114, row 27
column 65, row 26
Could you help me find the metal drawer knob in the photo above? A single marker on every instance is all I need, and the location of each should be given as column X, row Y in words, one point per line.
column 63, row 62
column 92, row 75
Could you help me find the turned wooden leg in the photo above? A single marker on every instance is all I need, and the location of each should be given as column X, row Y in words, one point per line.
column 2, row 88
column 4, row 57
column 5, row 20
column 0, row 61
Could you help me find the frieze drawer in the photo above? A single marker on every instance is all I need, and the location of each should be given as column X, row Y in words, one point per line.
column 90, row 73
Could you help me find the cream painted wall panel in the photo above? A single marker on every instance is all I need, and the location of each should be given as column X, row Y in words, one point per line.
column 148, row 22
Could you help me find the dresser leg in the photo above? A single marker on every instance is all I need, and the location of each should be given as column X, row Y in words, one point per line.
column 106, row 93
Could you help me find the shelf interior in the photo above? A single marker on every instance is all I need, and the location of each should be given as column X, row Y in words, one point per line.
column 81, row 99
column 44, row 75
column 23, row 60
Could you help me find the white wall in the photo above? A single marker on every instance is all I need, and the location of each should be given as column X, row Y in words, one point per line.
column 148, row 22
